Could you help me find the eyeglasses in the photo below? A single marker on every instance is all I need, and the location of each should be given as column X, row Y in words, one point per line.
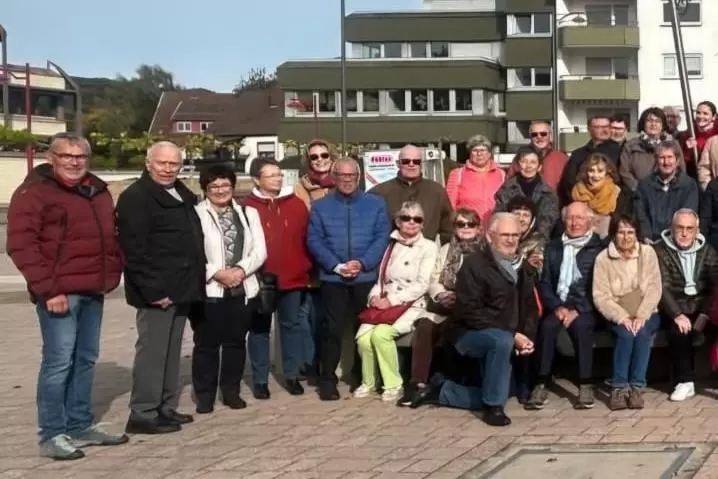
column 69, row 157
column 410, row 161
column 542, row 134
column 416, row 219
column 315, row 157
column 466, row 224
column 273, row 175
column 216, row 188
column 346, row 176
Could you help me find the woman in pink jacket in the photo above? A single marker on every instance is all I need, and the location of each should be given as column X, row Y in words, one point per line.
column 475, row 185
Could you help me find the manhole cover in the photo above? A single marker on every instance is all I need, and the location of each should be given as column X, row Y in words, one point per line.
column 606, row 461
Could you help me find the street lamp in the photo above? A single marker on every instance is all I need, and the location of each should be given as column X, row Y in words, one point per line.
column 679, row 7
column 578, row 20
column 343, row 14
column 5, row 85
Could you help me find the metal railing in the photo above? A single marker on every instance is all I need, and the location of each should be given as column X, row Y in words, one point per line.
column 600, row 76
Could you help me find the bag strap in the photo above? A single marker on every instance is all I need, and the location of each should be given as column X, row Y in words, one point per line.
column 384, row 266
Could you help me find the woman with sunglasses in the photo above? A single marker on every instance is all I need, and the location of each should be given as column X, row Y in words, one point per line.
column 440, row 302
column 316, row 183
column 404, row 277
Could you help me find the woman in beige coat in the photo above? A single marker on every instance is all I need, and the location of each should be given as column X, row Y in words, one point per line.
column 626, row 291
column 404, row 278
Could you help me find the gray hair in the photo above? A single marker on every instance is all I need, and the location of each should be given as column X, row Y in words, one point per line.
column 410, row 208
column 685, row 211
column 346, row 160
column 496, row 217
column 72, row 139
column 672, row 146
column 161, row 145
column 564, row 210
column 478, row 140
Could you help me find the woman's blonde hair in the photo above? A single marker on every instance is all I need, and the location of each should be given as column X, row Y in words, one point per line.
column 597, row 159
column 410, row 208
column 478, row 140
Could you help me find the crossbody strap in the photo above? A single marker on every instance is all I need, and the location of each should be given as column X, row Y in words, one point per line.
column 384, row 266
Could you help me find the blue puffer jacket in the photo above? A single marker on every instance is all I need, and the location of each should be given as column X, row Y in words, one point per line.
column 348, row 228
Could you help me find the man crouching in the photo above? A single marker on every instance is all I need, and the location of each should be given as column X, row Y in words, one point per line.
column 495, row 315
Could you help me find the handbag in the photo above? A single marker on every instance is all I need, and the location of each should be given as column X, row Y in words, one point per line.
column 375, row 316
column 267, row 297
column 632, row 300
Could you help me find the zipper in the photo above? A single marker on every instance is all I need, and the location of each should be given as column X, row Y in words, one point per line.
column 349, row 228
column 103, row 269
column 61, row 243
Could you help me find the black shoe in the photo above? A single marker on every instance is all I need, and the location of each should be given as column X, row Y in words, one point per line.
column 328, row 392
column 293, row 387
column 408, row 397
column 495, row 416
column 234, row 402
column 204, row 409
column 158, row 425
column 174, row 417
column 261, row 392
column 425, row 395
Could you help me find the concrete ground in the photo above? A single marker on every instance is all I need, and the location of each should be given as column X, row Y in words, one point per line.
column 301, row 437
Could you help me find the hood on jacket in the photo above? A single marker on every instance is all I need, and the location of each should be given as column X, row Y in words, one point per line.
column 285, row 192
column 668, row 239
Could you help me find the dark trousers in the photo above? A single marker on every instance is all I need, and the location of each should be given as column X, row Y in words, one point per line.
column 581, row 333
column 680, row 349
column 222, row 331
column 426, row 336
column 342, row 305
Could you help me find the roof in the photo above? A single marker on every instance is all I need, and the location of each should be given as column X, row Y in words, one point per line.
column 251, row 113
column 33, row 70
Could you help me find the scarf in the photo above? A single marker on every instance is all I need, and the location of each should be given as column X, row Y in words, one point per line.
column 316, row 180
column 650, row 143
column 569, row 267
column 687, row 259
column 396, row 236
column 601, row 198
column 508, row 266
column 528, row 185
column 454, row 258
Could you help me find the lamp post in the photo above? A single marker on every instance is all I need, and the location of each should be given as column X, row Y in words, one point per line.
column 679, row 7
column 344, row 77
column 5, row 82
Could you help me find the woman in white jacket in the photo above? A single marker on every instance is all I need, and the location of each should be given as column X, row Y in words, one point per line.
column 407, row 267
column 235, row 250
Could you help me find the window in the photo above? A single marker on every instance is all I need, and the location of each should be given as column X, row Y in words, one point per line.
column 419, row 100
column 542, row 77
column 598, row 15
column 392, row 50
column 396, row 101
column 302, row 102
column 464, row 100
column 352, row 101
column 528, row 77
column 370, row 100
column 439, row 50
column 371, row 50
column 266, row 150
column 529, row 24
column 692, row 13
column 417, row 50
column 327, row 101
column 204, row 126
column 621, row 15
column 442, row 100
column 183, row 127
column 694, row 65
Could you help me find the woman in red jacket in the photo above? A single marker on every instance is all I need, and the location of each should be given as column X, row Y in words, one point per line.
column 705, row 126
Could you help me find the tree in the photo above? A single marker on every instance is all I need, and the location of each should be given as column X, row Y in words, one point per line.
column 256, row 79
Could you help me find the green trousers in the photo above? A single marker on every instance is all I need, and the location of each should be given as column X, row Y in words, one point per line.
column 379, row 346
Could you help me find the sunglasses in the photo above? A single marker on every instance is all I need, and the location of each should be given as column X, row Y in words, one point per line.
column 315, row 157
column 542, row 134
column 466, row 224
column 416, row 219
column 411, row 161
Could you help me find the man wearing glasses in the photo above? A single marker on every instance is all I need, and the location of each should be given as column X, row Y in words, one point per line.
column 162, row 241
column 409, row 185
column 61, row 236
column 553, row 162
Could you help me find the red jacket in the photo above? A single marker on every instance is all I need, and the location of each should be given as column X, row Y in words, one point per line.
column 551, row 169
column 701, row 138
column 63, row 239
column 285, row 220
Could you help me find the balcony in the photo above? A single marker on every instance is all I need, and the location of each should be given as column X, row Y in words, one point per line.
column 599, row 36
column 599, row 87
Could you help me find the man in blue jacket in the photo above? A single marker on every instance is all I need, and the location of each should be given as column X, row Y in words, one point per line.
column 348, row 234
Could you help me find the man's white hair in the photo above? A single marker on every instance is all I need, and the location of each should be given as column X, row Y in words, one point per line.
column 496, row 217
column 345, row 160
column 161, row 145
column 685, row 211
column 564, row 210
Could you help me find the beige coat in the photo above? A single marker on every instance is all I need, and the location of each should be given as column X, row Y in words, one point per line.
column 708, row 163
column 408, row 275
column 614, row 277
column 435, row 287
column 309, row 193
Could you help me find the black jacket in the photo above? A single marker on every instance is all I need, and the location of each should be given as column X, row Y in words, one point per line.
column 162, row 242
column 709, row 213
column 655, row 207
column 674, row 301
column 580, row 295
column 485, row 298
column 547, row 212
column 569, row 178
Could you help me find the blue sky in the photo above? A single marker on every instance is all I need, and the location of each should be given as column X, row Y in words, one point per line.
column 208, row 43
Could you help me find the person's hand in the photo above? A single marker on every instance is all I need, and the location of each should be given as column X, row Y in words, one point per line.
column 683, row 323
column 701, row 322
column 570, row 318
column 223, row 277
column 647, row 241
column 536, row 260
column 637, row 325
column 373, row 300
column 382, row 303
column 57, row 305
column 163, row 303
column 628, row 324
column 561, row 313
column 353, row 267
column 523, row 344
column 691, row 143
column 447, row 298
column 235, row 277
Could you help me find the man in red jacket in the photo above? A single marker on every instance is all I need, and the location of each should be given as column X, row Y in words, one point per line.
column 61, row 236
column 285, row 220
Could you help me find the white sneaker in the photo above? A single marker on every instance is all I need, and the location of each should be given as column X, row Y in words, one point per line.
column 683, row 391
column 391, row 394
column 363, row 391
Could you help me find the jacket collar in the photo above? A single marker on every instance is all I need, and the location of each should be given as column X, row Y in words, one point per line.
column 163, row 197
column 613, row 252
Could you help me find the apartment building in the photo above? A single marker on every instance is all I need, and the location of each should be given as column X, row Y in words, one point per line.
column 454, row 68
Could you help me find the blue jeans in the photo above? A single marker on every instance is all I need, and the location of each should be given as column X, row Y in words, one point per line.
column 310, row 316
column 632, row 353
column 457, row 395
column 494, row 347
column 70, row 347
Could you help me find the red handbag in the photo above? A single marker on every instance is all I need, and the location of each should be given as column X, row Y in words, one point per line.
column 376, row 316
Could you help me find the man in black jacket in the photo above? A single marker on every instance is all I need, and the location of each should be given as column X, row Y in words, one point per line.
column 162, row 242
column 566, row 289
column 494, row 316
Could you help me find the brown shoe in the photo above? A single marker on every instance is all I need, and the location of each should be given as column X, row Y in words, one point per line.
column 619, row 399
column 635, row 399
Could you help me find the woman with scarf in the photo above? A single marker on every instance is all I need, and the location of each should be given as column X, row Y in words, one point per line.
column 440, row 302
column 626, row 290
column 531, row 243
column 637, row 158
column 316, row 183
column 528, row 183
column 404, row 278
column 597, row 186
column 706, row 142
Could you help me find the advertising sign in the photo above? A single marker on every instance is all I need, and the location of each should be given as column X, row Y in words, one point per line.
column 379, row 166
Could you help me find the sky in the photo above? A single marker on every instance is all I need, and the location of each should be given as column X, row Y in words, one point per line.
column 205, row 43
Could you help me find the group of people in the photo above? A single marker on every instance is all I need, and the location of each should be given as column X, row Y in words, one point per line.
column 479, row 279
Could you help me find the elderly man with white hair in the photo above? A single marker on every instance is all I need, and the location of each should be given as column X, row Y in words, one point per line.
column 494, row 318
column 161, row 238
column 566, row 285
column 687, row 264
